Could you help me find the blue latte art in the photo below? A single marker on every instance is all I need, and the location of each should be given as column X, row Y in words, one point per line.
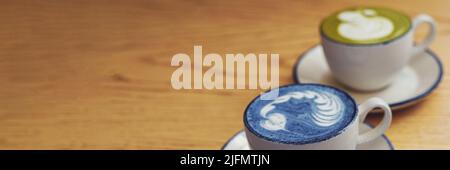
column 326, row 112
column 301, row 114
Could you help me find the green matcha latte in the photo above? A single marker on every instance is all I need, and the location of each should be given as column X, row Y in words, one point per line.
column 365, row 25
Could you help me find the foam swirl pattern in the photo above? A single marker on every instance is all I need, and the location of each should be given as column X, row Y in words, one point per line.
column 301, row 113
column 328, row 109
column 364, row 25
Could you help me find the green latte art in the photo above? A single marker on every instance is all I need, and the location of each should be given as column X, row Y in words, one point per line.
column 365, row 25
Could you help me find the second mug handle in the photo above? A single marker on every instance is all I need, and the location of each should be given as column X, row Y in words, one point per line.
column 420, row 19
column 364, row 110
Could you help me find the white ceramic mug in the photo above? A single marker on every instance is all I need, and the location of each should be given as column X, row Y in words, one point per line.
column 347, row 139
column 369, row 67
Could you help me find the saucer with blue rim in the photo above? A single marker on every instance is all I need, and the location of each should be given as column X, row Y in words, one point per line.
column 414, row 82
column 239, row 142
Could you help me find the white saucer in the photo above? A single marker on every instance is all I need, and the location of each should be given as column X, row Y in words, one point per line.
column 413, row 83
column 239, row 142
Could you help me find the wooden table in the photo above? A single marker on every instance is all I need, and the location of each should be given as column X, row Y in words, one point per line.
column 96, row 74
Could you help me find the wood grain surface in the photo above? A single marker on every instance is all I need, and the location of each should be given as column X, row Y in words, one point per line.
column 82, row 74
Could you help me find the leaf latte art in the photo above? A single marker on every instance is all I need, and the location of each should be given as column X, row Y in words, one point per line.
column 320, row 109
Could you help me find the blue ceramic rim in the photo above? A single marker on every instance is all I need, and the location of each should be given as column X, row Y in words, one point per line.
column 336, row 132
column 392, row 105
column 391, row 146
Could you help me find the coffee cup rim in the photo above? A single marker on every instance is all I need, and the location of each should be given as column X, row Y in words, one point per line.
column 322, row 34
column 337, row 133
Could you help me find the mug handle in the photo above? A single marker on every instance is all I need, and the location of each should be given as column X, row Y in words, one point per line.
column 420, row 19
column 364, row 110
